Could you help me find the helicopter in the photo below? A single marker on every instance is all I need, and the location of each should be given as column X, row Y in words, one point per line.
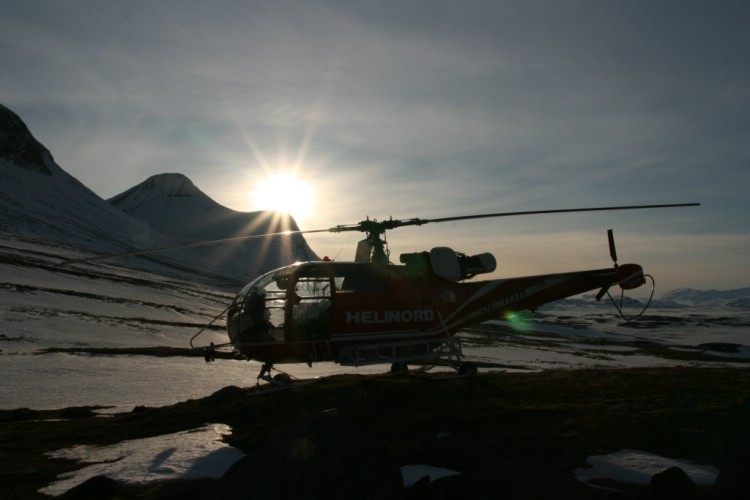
column 372, row 311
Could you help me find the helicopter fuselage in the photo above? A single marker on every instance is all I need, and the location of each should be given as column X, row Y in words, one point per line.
column 331, row 311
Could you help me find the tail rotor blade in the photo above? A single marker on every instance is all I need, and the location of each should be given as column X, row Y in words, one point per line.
column 612, row 249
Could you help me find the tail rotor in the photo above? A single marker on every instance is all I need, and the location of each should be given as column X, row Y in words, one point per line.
column 612, row 249
column 629, row 277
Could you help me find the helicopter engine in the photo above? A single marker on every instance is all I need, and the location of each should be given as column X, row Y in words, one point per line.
column 449, row 264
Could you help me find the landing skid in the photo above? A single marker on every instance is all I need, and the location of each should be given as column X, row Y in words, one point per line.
column 399, row 353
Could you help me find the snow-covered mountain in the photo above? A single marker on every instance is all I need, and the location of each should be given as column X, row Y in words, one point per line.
column 737, row 297
column 41, row 203
column 172, row 205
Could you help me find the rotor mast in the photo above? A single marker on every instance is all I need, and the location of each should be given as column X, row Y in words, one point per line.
column 374, row 248
column 376, row 244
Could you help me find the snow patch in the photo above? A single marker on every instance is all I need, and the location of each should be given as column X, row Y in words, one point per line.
column 413, row 473
column 192, row 454
column 638, row 467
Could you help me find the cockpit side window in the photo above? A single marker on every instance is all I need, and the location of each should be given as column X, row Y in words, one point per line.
column 273, row 298
column 311, row 304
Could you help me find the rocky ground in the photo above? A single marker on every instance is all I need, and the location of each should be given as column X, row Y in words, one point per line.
column 509, row 435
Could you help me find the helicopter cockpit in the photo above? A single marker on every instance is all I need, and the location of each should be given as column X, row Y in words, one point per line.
column 295, row 303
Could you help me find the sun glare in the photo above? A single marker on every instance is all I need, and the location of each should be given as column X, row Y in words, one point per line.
column 285, row 192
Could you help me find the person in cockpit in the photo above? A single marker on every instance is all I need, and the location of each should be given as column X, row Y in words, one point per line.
column 254, row 317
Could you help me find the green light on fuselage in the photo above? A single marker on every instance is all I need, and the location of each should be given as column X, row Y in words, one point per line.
column 517, row 321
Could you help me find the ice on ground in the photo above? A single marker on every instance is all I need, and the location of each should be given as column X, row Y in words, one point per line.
column 638, row 467
column 60, row 380
column 192, row 454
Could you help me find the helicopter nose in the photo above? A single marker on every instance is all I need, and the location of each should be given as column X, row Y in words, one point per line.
column 630, row 276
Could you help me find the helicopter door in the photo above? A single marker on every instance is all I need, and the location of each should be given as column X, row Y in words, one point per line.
column 311, row 305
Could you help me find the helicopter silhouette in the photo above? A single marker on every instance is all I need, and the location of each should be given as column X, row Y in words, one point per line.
column 371, row 311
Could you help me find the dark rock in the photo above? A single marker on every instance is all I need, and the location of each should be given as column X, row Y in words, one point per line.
column 18, row 146
column 479, row 481
column 486, row 480
column 19, row 415
column 419, row 490
column 672, row 484
column 226, row 394
column 76, row 412
column 454, row 487
column 319, row 458
column 605, row 482
column 732, row 482
column 95, row 488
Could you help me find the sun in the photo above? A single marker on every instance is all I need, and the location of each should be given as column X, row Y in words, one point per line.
column 285, row 192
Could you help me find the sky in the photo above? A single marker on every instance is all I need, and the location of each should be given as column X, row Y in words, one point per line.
column 409, row 109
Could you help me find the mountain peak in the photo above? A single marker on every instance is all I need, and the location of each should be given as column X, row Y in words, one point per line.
column 167, row 185
column 171, row 186
column 173, row 205
column 19, row 147
column 39, row 201
column 165, row 191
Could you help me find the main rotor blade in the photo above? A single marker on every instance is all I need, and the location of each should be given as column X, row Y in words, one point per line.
column 365, row 226
column 380, row 226
column 559, row 211
column 69, row 262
